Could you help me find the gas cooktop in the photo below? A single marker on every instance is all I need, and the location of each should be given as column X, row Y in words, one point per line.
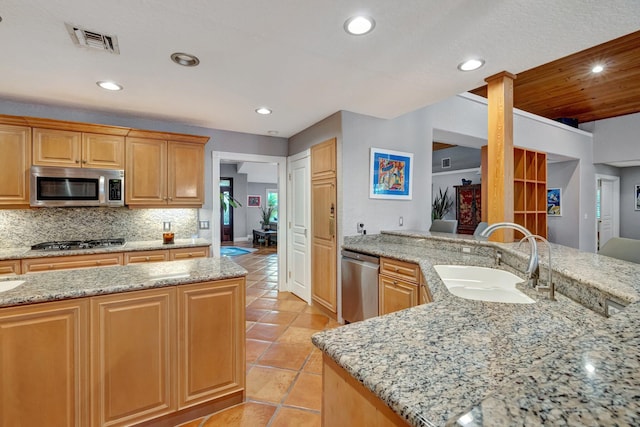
column 77, row 244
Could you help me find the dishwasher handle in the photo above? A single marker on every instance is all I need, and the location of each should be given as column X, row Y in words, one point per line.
column 360, row 256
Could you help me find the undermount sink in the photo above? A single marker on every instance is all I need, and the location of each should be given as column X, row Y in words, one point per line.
column 7, row 285
column 482, row 284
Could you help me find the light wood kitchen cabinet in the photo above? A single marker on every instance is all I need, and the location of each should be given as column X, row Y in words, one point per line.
column 185, row 174
column 188, row 253
column 399, row 285
column 164, row 173
column 346, row 402
column 11, row 266
column 323, row 244
column 133, row 356
column 15, row 163
column 323, row 160
column 166, row 255
column 33, row 265
column 211, row 340
column 67, row 148
column 44, row 364
column 146, row 256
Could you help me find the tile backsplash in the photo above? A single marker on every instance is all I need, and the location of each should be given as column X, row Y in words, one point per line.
column 27, row 227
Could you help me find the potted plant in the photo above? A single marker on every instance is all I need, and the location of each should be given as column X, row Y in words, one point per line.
column 265, row 215
column 442, row 204
column 227, row 200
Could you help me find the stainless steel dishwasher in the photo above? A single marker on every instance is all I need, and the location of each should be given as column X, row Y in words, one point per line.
column 359, row 286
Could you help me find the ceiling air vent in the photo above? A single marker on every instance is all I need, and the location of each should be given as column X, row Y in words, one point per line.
column 93, row 39
column 446, row 162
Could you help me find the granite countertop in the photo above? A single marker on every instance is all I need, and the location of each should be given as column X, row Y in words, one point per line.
column 66, row 284
column 142, row 245
column 435, row 362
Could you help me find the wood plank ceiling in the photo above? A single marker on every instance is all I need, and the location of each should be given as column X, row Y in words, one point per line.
column 567, row 88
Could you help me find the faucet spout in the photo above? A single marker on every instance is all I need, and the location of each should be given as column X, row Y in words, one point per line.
column 533, row 258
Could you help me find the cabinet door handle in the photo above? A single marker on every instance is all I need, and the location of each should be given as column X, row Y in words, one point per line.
column 77, row 161
column 84, row 162
column 170, row 198
column 147, row 258
column 98, row 262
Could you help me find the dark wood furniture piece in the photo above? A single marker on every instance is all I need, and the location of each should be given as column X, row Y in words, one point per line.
column 268, row 236
column 468, row 207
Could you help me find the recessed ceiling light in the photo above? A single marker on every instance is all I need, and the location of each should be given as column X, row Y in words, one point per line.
column 597, row 69
column 185, row 59
column 264, row 111
column 359, row 25
column 273, row 132
column 109, row 85
column 471, row 64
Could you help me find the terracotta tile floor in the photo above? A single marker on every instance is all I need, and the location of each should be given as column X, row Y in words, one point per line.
column 284, row 382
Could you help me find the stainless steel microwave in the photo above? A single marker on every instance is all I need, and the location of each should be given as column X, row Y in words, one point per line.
column 67, row 187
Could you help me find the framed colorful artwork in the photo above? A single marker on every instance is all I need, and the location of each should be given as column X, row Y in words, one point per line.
column 637, row 197
column 554, row 201
column 253, row 201
column 391, row 174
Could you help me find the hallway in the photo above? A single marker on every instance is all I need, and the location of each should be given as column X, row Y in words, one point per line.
column 284, row 369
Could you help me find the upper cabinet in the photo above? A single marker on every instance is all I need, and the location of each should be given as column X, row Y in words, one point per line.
column 54, row 147
column 162, row 169
column 164, row 173
column 14, row 165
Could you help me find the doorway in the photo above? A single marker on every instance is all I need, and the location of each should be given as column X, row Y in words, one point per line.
column 607, row 208
column 226, row 210
column 281, row 162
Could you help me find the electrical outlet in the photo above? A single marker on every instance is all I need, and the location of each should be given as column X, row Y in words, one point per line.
column 204, row 225
column 466, row 250
column 166, row 226
column 401, row 221
column 360, row 227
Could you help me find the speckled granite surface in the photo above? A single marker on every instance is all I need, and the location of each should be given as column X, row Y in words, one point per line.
column 145, row 245
column 432, row 363
column 65, row 284
column 26, row 227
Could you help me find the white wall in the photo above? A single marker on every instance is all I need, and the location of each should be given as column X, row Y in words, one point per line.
column 629, row 217
column 564, row 229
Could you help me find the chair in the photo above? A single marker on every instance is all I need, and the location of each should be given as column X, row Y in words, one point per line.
column 480, row 228
column 444, row 225
column 622, row 248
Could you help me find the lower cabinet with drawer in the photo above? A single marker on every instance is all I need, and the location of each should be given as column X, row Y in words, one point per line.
column 152, row 357
column 399, row 286
column 32, row 265
column 11, row 266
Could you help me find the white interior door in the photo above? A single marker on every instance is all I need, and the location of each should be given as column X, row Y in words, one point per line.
column 299, row 226
column 609, row 209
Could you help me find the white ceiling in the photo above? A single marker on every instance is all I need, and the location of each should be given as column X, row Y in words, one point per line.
column 292, row 56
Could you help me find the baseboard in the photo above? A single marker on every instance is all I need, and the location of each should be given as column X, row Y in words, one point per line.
column 243, row 239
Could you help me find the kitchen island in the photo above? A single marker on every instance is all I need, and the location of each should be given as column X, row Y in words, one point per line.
column 468, row 362
column 155, row 344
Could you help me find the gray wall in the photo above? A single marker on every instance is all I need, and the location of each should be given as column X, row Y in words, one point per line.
column 616, row 139
column 461, row 158
column 564, row 229
column 254, row 215
column 629, row 217
column 447, row 181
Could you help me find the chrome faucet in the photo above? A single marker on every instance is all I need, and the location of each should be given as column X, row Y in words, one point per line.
column 550, row 287
column 532, row 269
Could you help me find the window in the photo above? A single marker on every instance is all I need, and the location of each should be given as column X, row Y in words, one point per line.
column 272, row 200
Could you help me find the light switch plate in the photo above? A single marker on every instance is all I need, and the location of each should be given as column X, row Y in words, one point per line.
column 204, row 225
column 166, row 226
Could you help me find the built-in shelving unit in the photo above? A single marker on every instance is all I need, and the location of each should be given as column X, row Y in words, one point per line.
column 530, row 190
